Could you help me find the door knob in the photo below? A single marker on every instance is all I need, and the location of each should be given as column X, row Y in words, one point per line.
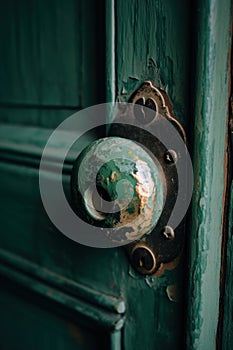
column 116, row 183
column 129, row 180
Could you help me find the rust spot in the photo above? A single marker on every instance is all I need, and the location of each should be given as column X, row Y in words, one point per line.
column 169, row 266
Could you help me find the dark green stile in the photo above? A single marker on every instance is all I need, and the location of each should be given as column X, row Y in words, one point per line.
column 153, row 42
column 149, row 40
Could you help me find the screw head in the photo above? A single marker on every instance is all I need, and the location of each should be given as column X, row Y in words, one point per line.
column 170, row 157
column 168, row 232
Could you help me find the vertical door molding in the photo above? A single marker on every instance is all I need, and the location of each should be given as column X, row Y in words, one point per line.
column 210, row 100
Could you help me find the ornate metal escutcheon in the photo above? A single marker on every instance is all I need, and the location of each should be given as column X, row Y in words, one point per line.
column 129, row 180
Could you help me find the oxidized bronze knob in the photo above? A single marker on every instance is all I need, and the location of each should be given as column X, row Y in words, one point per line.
column 116, row 183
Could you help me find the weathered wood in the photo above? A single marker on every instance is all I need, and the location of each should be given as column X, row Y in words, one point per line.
column 210, row 101
column 152, row 42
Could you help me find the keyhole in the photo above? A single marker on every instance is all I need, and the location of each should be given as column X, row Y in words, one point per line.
column 142, row 114
column 143, row 259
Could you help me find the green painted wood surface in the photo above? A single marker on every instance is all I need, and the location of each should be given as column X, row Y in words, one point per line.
column 46, row 277
column 34, row 323
column 152, row 42
column 43, row 46
column 51, row 59
column 107, row 271
column 96, row 317
column 210, row 102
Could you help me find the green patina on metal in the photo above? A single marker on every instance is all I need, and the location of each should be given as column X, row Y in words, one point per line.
column 119, row 185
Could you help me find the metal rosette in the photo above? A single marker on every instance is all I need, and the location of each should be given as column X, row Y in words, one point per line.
column 154, row 127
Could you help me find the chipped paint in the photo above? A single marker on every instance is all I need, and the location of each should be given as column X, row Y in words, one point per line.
column 172, row 293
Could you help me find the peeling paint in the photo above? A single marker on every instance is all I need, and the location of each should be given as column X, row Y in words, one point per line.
column 169, row 266
column 172, row 293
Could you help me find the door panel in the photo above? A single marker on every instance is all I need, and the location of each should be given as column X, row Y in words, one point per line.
column 46, row 64
column 45, row 60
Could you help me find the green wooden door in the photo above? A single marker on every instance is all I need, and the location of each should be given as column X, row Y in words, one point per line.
column 56, row 58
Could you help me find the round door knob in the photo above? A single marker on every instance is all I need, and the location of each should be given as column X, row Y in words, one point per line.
column 116, row 183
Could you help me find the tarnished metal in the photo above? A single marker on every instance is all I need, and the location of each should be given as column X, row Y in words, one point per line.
column 117, row 184
column 168, row 232
column 165, row 245
column 158, row 101
column 143, row 258
column 170, row 157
